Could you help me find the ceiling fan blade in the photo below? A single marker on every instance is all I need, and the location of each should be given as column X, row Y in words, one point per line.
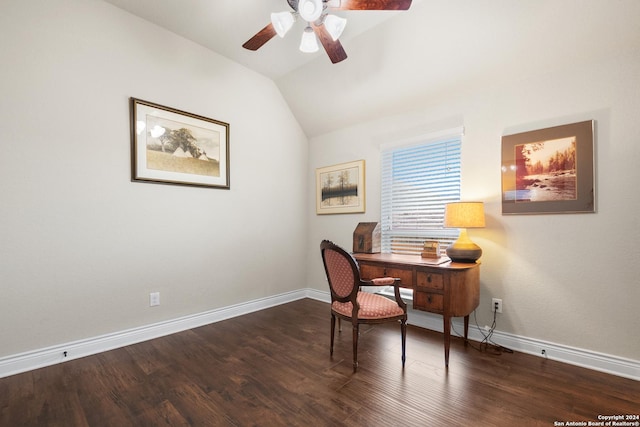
column 333, row 48
column 261, row 37
column 374, row 5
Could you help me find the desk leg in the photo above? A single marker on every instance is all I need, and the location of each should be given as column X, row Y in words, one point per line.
column 447, row 339
column 466, row 329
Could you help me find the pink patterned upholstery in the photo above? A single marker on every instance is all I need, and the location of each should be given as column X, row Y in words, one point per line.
column 345, row 282
column 372, row 306
column 340, row 273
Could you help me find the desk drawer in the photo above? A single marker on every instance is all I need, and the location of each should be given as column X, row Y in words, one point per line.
column 428, row 301
column 369, row 271
column 425, row 279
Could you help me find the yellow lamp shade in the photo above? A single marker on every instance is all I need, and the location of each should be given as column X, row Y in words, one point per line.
column 464, row 215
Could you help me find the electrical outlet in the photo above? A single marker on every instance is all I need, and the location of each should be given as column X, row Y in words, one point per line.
column 154, row 299
column 496, row 305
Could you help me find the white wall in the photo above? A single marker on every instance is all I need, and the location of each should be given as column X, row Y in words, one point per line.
column 81, row 246
column 566, row 279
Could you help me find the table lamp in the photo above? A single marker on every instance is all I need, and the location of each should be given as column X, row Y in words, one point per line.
column 464, row 215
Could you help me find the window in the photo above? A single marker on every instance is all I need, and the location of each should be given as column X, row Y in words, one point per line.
column 418, row 179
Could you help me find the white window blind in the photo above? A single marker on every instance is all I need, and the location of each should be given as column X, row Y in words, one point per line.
column 417, row 181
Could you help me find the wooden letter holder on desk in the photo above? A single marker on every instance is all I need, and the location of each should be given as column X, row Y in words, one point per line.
column 450, row 289
column 366, row 238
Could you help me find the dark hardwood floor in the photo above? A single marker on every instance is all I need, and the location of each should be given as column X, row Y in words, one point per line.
column 272, row 368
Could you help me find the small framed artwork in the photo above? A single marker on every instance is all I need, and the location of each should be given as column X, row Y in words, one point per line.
column 170, row 146
column 340, row 188
column 549, row 170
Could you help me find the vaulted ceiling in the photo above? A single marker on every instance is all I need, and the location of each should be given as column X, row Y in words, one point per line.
column 404, row 61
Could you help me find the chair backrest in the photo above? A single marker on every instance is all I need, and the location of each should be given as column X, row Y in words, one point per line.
column 342, row 272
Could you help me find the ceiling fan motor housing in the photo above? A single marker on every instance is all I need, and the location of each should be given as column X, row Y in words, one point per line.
column 310, row 10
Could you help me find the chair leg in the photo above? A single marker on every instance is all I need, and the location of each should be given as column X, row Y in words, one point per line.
column 333, row 330
column 355, row 346
column 339, row 325
column 403, row 329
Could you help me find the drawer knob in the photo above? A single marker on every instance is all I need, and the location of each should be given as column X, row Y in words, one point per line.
column 429, row 298
column 429, row 278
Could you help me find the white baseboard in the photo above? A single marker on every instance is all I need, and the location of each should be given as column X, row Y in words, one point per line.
column 607, row 363
column 23, row 362
column 40, row 358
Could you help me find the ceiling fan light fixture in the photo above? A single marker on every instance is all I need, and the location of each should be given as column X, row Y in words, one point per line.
column 310, row 10
column 309, row 43
column 282, row 22
column 335, row 26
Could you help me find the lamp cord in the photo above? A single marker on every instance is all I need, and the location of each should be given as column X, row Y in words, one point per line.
column 486, row 344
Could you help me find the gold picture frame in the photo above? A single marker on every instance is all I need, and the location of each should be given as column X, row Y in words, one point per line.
column 170, row 146
column 340, row 188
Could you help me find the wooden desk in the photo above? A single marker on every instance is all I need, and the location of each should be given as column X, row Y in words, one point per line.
column 450, row 289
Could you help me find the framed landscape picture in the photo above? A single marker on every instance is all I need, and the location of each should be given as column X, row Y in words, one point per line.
column 340, row 188
column 175, row 147
column 549, row 170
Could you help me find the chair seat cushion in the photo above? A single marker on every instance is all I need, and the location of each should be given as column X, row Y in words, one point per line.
column 372, row 306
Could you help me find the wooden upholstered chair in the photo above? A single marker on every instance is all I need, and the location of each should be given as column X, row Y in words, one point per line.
column 348, row 302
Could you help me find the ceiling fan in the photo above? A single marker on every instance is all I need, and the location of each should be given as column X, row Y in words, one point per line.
column 319, row 23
